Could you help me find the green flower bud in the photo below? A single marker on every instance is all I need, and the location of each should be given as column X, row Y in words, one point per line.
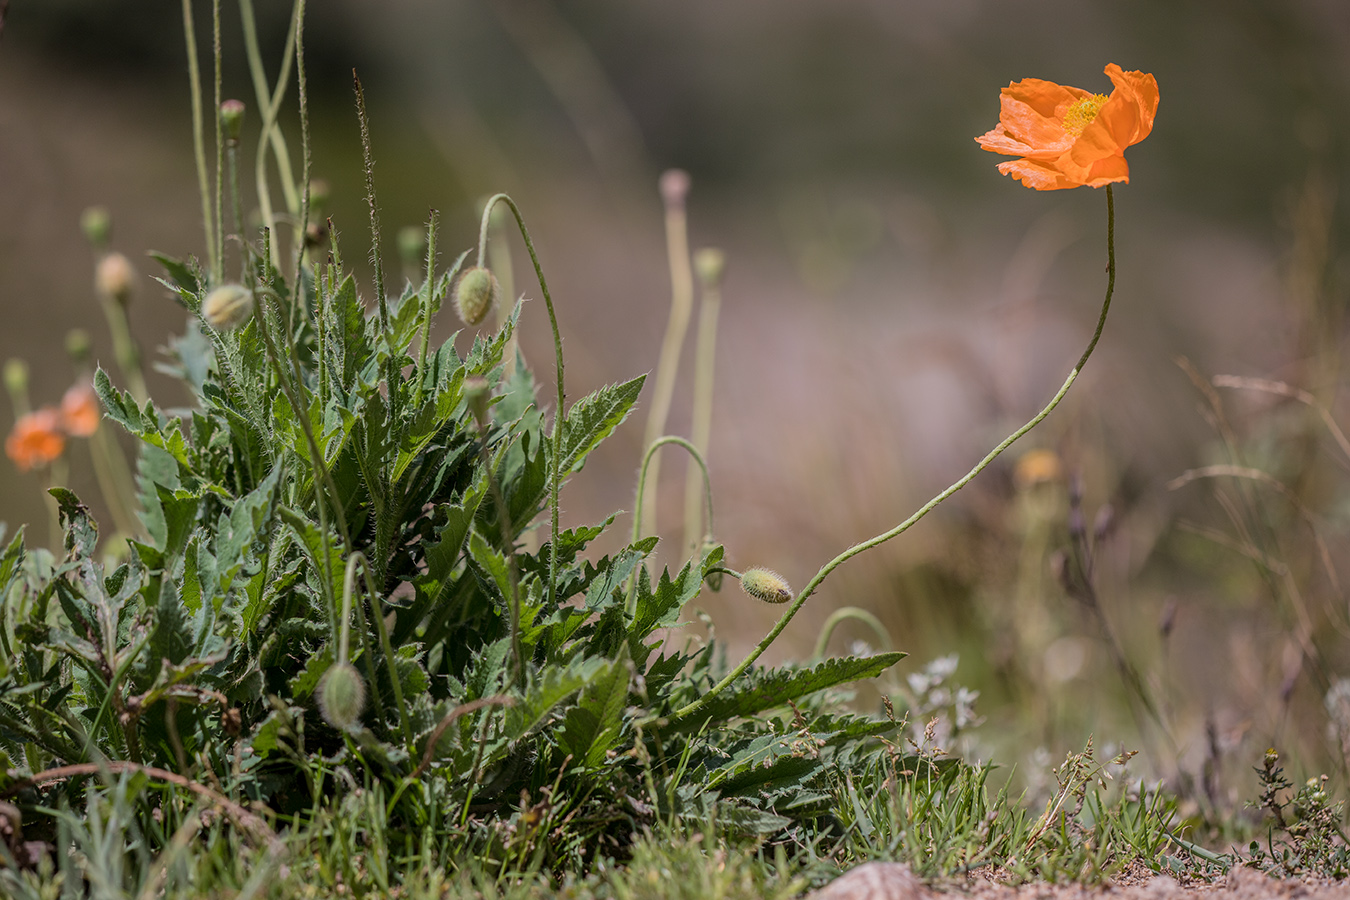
column 766, row 585
column 476, row 293
column 232, row 119
column 709, row 264
column 96, row 225
column 113, row 277
column 78, row 344
column 477, row 395
column 227, row 307
column 16, row 376
column 342, row 695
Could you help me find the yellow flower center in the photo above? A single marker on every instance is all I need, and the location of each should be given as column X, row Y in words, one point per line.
column 1081, row 114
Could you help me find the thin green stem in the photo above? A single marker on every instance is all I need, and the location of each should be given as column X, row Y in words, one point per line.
column 700, row 429
column 843, row 614
column 218, row 260
column 681, row 307
column 198, row 140
column 647, row 462
column 369, row 161
column 385, row 645
column 298, row 297
column 508, row 550
column 928, row 507
column 558, row 417
column 428, row 289
column 261, row 90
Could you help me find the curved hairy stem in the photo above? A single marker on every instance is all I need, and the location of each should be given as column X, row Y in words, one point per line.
column 555, row 473
column 198, row 140
column 647, row 462
column 932, row 504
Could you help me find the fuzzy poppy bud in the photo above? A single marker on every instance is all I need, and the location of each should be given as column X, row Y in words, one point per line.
column 342, row 696
column 113, row 277
column 477, row 394
column 476, row 293
column 96, row 225
column 766, row 585
column 227, row 307
column 16, row 376
column 232, row 119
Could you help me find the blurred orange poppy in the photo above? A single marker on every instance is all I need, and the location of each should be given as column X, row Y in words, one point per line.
column 80, row 411
column 36, row 439
column 1067, row 137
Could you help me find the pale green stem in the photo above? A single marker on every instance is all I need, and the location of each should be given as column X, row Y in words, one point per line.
column 558, row 417
column 260, row 89
column 668, row 363
column 375, row 255
column 700, row 430
column 198, row 140
column 648, row 460
column 428, row 289
column 850, row 612
column 270, row 133
column 933, row 503
column 218, row 260
column 125, row 349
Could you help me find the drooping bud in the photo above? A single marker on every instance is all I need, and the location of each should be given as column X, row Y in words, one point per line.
column 476, row 293
column 709, row 264
column 342, row 695
column 766, row 584
column 477, row 395
column 114, row 277
column 97, row 226
column 232, row 120
column 227, row 307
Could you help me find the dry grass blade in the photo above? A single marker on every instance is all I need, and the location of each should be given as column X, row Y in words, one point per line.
column 1282, row 389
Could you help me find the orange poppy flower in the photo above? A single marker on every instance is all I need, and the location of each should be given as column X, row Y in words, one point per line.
column 80, row 411
column 36, row 439
column 1067, row 137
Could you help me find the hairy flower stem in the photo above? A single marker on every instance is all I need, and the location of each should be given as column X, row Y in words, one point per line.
column 844, row 614
column 932, row 504
column 198, row 140
column 269, row 107
column 428, row 290
column 555, row 473
column 700, row 429
column 648, row 460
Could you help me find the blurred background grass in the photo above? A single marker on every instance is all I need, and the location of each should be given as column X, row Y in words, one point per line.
column 893, row 306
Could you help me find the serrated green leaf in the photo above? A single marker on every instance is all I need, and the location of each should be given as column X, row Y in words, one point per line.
column 592, row 727
column 542, row 697
column 759, row 690
column 592, row 419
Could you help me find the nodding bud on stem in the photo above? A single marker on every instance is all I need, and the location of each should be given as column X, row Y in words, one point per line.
column 674, row 185
column 114, row 276
column 342, row 696
column 227, row 307
column 709, row 265
column 232, row 119
column 477, row 394
column 476, row 293
column 766, row 585
column 97, row 226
